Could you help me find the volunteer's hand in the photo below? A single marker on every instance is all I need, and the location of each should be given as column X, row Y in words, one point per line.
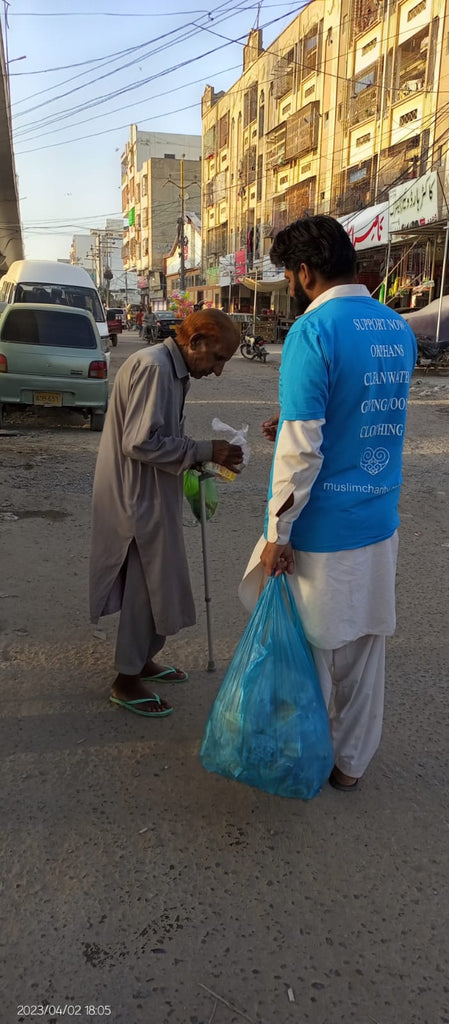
column 229, row 455
column 278, row 558
column 269, row 428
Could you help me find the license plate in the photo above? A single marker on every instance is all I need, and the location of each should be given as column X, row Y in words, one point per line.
column 47, row 398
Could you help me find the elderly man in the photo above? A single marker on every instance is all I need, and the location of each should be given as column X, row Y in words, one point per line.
column 332, row 512
column 138, row 560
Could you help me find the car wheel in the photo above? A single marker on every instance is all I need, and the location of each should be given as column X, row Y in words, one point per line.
column 97, row 420
column 1, row 415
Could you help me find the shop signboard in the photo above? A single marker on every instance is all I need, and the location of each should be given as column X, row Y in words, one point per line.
column 227, row 269
column 415, row 203
column 270, row 272
column 212, row 275
column 240, row 265
column 367, row 228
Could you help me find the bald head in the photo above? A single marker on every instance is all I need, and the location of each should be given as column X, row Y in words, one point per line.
column 207, row 340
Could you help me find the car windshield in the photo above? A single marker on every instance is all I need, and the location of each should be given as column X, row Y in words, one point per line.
column 62, row 295
column 165, row 314
column 42, row 327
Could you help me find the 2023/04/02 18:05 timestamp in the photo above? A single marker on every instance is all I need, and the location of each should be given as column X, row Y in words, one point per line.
column 52, row 1011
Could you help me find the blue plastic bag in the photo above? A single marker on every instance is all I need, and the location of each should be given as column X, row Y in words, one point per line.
column 268, row 726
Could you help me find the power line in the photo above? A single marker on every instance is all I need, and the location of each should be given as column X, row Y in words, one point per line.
column 165, row 36
column 112, row 14
column 157, row 75
column 53, row 119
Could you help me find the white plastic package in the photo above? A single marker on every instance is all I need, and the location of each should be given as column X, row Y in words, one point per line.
column 234, row 436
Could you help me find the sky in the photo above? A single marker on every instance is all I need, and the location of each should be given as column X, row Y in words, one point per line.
column 82, row 71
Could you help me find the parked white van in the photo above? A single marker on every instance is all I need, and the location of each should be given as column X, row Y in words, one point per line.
column 61, row 284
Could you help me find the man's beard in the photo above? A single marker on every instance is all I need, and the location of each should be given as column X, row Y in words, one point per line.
column 301, row 300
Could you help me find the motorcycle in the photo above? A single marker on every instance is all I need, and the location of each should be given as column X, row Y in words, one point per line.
column 252, row 346
column 431, row 352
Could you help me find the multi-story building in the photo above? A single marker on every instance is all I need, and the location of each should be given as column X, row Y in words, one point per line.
column 343, row 106
column 159, row 173
column 100, row 253
column 82, row 254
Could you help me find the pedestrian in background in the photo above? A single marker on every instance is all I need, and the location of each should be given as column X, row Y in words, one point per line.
column 138, row 562
column 148, row 322
column 332, row 513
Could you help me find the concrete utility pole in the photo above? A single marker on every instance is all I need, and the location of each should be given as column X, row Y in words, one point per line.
column 108, row 275
column 181, row 220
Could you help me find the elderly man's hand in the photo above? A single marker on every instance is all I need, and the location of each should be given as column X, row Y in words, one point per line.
column 277, row 558
column 229, row 455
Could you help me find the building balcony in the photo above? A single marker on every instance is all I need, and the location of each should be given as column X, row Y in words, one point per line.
column 370, row 12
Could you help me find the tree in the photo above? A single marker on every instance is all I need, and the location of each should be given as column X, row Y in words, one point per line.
column 182, row 304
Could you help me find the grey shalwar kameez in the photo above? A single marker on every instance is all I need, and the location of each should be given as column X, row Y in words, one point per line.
column 138, row 492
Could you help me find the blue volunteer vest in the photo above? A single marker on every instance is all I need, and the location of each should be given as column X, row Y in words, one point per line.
column 349, row 361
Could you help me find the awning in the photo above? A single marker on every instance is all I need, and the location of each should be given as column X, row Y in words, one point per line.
column 421, row 232
column 277, row 285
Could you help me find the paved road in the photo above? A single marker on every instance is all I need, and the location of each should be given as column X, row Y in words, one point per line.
column 132, row 879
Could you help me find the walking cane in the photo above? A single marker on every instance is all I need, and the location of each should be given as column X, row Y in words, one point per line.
column 211, row 663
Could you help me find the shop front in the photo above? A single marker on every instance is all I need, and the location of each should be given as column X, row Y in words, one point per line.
column 418, row 227
column 369, row 233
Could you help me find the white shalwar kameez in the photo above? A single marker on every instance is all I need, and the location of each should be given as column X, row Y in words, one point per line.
column 346, row 599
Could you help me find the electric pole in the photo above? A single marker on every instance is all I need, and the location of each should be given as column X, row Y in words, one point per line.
column 182, row 241
column 181, row 229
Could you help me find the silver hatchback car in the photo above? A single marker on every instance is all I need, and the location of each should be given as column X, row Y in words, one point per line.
column 54, row 357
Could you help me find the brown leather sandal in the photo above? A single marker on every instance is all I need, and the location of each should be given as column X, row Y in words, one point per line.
column 343, row 787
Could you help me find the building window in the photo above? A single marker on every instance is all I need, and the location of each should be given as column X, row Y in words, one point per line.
column 261, row 113
column 223, row 131
column 169, row 156
column 209, row 143
column 369, row 46
column 358, row 174
column 311, row 50
column 411, row 115
column 302, row 131
column 259, row 177
column 250, row 105
column 414, row 11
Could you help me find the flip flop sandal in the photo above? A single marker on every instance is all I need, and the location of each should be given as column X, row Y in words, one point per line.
column 131, row 705
column 162, row 676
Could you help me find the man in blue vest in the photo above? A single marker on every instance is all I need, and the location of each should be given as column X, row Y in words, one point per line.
column 332, row 512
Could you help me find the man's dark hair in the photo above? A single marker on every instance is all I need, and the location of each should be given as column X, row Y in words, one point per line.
column 321, row 242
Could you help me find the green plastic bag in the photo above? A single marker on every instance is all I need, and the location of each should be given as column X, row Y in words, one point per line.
column 192, row 493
